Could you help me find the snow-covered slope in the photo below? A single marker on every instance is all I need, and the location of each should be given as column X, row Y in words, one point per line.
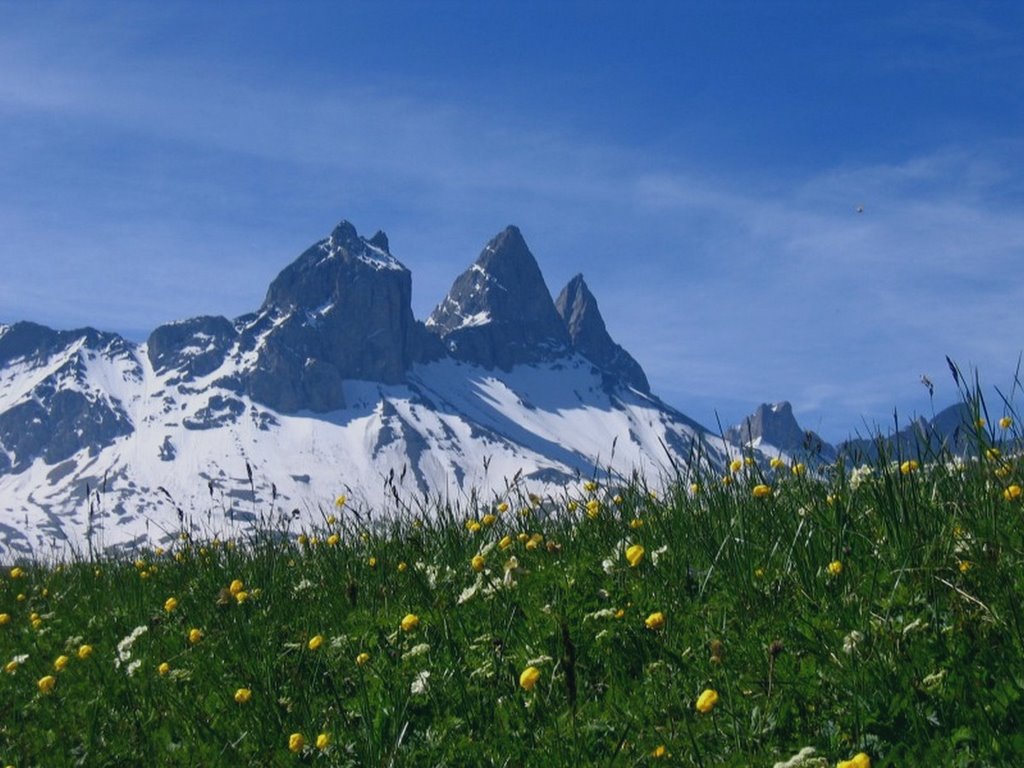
column 216, row 425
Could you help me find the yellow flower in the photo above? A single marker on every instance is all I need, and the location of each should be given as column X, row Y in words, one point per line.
column 776, row 463
column 242, row 695
column 593, row 508
column 403, row 567
column 21, row 597
column 761, row 491
column 799, row 469
column 315, row 642
column 170, row 604
column 505, row 543
column 707, row 700
column 528, row 679
column 17, row 573
column 860, row 760
column 502, row 508
column 331, row 519
column 410, row 622
column 340, row 501
column 5, row 618
column 980, row 423
column 323, row 741
column 616, row 499
column 241, row 597
column 363, row 659
column 60, row 662
column 590, row 486
column 909, row 466
column 236, row 586
column 835, row 568
column 302, row 539
column 635, row 523
column 477, row 562
column 473, row 526
column 694, row 488
column 195, row 635
column 735, row 465
column 659, row 752
column 759, row 573
column 372, row 562
column 11, row 667
column 634, row 555
column 1006, row 422
column 727, row 480
column 1011, row 493
column 993, row 453
column 84, row 652
column 163, row 669
column 523, row 537
column 296, row 742
column 572, row 506
column 333, row 539
column 488, row 519
column 964, row 566
column 655, row 621
column 47, row 683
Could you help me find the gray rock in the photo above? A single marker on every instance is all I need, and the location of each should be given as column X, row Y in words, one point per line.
column 342, row 310
column 776, row 425
column 587, row 332
column 195, row 347
column 499, row 312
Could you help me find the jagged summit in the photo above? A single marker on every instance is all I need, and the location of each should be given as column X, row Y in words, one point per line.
column 589, row 335
column 499, row 312
column 773, row 424
column 331, row 384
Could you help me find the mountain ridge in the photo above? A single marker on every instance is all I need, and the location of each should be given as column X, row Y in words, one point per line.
column 330, row 385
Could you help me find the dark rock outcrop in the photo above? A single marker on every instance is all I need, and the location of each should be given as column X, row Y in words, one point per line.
column 342, row 310
column 196, row 347
column 775, row 425
column 499, row 312
column 589, row 336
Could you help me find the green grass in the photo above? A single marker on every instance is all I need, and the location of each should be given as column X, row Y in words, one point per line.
column 910, row 652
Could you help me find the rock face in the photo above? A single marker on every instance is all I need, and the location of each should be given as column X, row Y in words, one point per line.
column 195, row 347
column 588, row 335
column 775, row 425
column 58, row 412
column 499, row 312
column 342, row 310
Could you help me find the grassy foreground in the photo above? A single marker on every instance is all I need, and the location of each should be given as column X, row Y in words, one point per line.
column 874, row 611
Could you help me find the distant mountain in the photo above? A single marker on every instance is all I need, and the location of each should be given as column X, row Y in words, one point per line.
column 776, row 427
column 331, row 386
column 773, row 429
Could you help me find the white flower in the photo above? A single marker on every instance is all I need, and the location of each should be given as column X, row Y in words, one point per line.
column 604, row 613
column 538, row 661
column 133, row 667
column 851, row 641
column 124, row 648
column 420, row 684
column 860, row 475
column 470, row 592
column 416, row 650
column 805, row 758
column 658, row 553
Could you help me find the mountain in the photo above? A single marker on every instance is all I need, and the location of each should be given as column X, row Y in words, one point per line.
column 588, row 335
column 773, row 430
column 773, row 426
column 331, row 386
column 499, row 312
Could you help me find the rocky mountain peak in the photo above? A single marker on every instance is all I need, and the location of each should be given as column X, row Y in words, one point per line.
column 499, row 312
column 774, row 424
column 589, row 336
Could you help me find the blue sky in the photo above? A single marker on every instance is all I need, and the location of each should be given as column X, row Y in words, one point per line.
column 700, row 162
